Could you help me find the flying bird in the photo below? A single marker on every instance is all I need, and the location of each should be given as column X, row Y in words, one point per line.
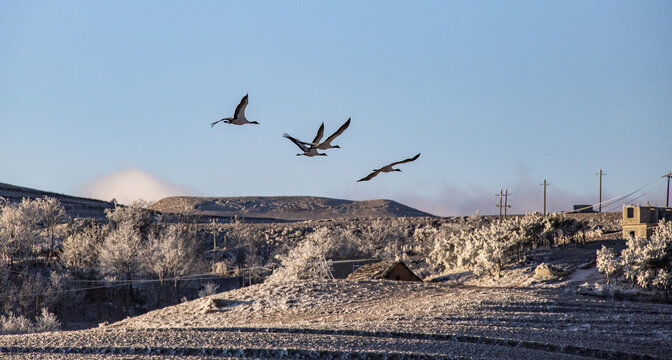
column 387, row 168
column 238, row 116
column 307, row 149
column 326, row 144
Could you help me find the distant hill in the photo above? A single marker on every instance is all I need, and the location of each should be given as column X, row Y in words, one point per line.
column 291, row 208
column 74, row 206
column 286, row 207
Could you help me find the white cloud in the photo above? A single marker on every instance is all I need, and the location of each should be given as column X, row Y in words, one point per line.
column 129, row 185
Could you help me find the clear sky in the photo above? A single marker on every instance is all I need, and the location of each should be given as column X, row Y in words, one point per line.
column 115, row 99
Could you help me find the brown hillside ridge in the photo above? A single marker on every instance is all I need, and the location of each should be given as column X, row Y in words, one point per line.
column 74, row 205
column 384, row 270
column 286, row 207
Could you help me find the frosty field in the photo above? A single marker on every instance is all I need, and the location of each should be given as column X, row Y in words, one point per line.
column 524, row 318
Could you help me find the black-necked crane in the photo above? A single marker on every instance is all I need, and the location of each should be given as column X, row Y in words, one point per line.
column 387, row 168
column 308, row 150
column 238, row 116
column 326, row 144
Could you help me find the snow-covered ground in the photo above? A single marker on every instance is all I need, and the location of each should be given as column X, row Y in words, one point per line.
column 401, row 319
column 518, row 316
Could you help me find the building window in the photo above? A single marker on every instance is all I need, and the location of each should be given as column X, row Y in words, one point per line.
column 631, row 212
column 632, row 234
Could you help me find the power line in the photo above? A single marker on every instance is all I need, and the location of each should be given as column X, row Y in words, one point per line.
column 617, row 198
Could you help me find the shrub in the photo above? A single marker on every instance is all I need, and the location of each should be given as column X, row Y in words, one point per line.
column 307, row 261
column 170, row 253
column 47, row 322
column 485, row 247
column 648, row 262
column 607, row 262
column 15, row 324
column 209, row 288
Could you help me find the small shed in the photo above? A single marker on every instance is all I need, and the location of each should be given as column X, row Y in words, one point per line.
column 384, row 270
column 341, row 268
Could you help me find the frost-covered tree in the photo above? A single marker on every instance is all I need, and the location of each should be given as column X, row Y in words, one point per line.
column 307, row 261
column 485, row 247
column 50, row 213
column 120, row 254
column 607, row 262
column 18, row 230
column 122, row 250
column 170, row 253
column 29, row 226
column 81, row 247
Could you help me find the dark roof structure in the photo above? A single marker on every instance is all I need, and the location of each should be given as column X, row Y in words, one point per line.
column 384, row 270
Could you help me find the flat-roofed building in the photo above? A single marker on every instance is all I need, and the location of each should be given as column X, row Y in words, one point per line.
column 640, row 221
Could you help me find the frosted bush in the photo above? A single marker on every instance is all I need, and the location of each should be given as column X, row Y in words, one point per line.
column 646, row 262
column 307, row 261
column 607, row 262
column 15, row 324
column 486, row 247
column 120, row 253
column 47, row 322
column 170, row 252
column 643, row 259
column 80, row 248
column 28, row 227
column 209, row 288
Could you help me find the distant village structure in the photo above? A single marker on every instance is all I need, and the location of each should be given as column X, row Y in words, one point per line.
column 640, row 221
column 581, row 208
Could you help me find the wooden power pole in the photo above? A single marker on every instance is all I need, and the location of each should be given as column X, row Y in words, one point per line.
column 506, row 200
column 544, row 184
column 668, row 176
column 600, row 196
column 214, row 236
column 499, row 205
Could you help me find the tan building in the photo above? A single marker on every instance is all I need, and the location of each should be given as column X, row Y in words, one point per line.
column 640, row 221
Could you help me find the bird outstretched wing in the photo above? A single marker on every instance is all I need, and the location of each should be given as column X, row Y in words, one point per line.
column 240, row 109
column 405, row 161
column 370, row 176
column 318, row 136
column 338, row 132
column 298, row 143
column 224, row 119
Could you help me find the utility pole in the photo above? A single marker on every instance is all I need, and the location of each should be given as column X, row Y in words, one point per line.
column 506, row 201
column 668, row 176
column 214, row 236
column 600, row 198
column 544, row 185
column 500, row 203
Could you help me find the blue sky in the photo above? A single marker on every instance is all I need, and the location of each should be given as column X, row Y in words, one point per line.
column 115, row 99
